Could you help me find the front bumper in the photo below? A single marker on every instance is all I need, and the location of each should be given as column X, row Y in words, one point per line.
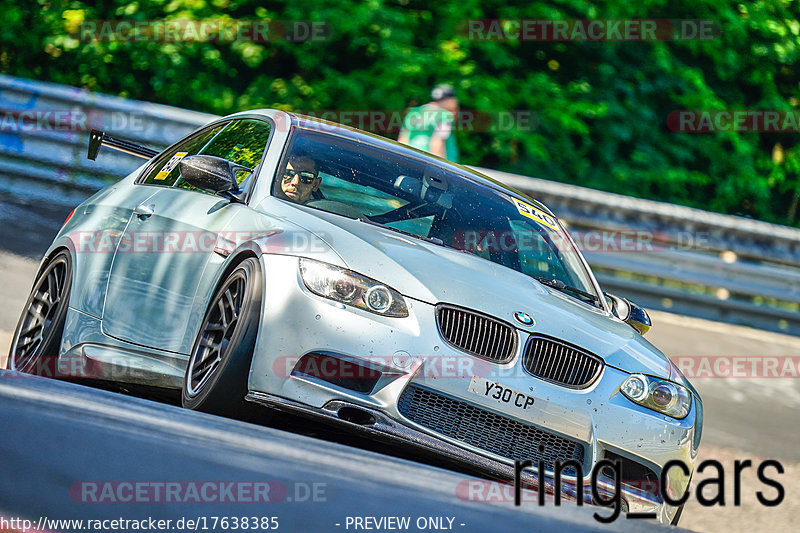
column 411, row 351
column 377, row 425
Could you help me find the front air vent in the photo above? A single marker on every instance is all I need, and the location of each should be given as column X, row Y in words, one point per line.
column 487, row 430
column 477, row 333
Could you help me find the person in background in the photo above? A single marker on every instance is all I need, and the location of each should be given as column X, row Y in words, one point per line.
column 430, row 127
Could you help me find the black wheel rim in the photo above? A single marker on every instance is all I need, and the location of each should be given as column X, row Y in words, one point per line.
column 47, row 298
column 218, row 330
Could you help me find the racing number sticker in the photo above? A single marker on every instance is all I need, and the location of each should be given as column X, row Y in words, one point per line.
column 531, row 212
column 170, row 166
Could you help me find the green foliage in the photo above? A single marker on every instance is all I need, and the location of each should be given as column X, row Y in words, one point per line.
column 600, row 108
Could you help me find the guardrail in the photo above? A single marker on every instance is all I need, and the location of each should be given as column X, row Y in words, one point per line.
column 749, row 238
column 702, row 264
column 44, row 135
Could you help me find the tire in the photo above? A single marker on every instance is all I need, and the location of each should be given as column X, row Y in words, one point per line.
column 216, row 376
column 37, row 338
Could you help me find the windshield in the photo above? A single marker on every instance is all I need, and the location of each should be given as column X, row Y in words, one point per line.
column 421, row 198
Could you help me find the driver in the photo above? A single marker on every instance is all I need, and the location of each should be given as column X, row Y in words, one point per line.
column 300, row 179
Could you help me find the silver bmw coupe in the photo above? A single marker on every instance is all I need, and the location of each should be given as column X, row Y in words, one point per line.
column 274, row 260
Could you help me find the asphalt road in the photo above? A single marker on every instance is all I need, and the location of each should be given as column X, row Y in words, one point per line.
column 311, row 485
column 744, row 417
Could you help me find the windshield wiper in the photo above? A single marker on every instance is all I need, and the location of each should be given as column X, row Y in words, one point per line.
column 563, row 287
column 432, row 240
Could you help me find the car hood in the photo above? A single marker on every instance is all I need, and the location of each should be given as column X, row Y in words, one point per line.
column 436, row 274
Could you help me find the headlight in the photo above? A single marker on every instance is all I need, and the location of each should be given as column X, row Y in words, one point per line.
column 350, row 288
column 658, row 394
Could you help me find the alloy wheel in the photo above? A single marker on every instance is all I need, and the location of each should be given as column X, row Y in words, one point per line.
column 45, row 305
column 218, row 330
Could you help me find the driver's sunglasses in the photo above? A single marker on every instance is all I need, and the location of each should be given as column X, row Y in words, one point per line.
column 306, row 177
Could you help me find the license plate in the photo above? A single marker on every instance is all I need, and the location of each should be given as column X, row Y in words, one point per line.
column 501, row 394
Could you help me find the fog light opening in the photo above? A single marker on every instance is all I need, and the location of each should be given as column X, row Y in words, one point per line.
column 355, row 415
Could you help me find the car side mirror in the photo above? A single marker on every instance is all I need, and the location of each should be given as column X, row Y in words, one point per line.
column 212, row 174
column 630, row 313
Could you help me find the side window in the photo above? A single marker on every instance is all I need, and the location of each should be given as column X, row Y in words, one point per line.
column 165, row 171
column 241, row 142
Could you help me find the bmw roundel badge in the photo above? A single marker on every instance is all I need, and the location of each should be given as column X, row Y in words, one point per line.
column 524, row 318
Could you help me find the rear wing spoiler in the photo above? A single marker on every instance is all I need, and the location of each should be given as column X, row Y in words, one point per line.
column 97, row 138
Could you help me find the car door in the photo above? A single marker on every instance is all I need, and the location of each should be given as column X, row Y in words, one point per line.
column 170, row 239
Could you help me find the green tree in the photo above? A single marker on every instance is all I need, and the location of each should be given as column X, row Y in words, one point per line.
column 600, row 108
